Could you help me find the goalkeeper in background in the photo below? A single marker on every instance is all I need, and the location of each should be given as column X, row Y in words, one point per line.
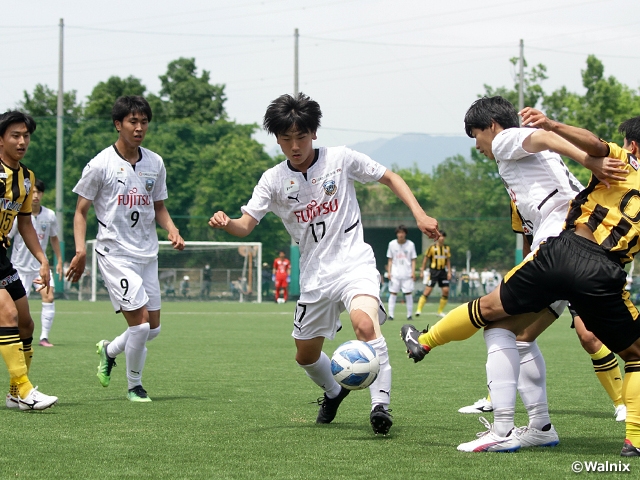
column 281, row 276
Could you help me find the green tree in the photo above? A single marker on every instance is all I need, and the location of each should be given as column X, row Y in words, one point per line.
column 103, row 96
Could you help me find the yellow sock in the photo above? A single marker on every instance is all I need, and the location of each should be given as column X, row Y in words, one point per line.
column 443, row 303
column 11, row 351
column 28, row 352
column 631, row 397
column 459, row 324
column 421, row 301
column 608, row 372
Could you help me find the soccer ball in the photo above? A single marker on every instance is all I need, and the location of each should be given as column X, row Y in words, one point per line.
column 355, row 365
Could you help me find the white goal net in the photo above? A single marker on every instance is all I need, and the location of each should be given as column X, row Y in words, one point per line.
column 203, row 271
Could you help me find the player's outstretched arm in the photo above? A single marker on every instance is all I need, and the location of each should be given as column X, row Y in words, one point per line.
column 426, row 224
column 238, row 227
column 605, row 169
column 78, row 262
column 30, row 237
column 164, row 220
column 581, row 138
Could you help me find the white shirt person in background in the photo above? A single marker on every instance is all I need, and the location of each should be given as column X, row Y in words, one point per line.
column 401, row 267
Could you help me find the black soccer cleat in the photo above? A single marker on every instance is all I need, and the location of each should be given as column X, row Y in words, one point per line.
column 415, row 349
column 628, row 450
column 381, row 420
column 329, row 406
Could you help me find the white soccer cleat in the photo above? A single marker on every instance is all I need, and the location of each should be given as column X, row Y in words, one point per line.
column 532, row 437
column 36, row 400
column 489, row 441
column 481, row 406
column 12, row 402
column 621, row 413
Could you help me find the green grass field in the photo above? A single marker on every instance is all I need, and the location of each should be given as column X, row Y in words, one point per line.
column 230, row 402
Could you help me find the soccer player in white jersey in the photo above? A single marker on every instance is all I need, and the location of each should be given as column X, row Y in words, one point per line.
column 127, row 185
column 46, row 225
column 541, row 187
column 313, row 192
column 401, row 268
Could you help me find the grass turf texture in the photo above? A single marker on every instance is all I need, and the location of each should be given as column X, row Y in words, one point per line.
column 230, row 402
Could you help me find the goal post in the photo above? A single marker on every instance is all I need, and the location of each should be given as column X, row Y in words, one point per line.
column 234, row 272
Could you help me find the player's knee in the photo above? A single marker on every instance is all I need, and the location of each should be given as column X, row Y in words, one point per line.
column 589, row 341
column 365, row 325
column 8, row 316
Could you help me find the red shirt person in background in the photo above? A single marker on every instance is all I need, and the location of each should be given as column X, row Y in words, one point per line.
column 281, row 275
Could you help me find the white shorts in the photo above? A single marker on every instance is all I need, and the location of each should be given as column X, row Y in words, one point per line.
column 131, row 285
column 426, row 276
column 27, row 278
column 558, row 307
column 405, row 285
column 318, row 312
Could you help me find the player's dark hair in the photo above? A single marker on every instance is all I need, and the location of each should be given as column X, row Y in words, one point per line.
column 631, row 129
column 130, row 104
column 39, row 184
column 402, row 228
column 286, row 111
column 486, row 110
column 15, row 116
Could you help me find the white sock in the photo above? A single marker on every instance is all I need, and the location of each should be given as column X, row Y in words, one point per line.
column 381, row 389
column 392, row 304
column 153, row 333
column 135, row 353
column 503, row 369
column 46, row 318
column 117, row 345
column 532, row 384
column 408, row 298
column 320, row 373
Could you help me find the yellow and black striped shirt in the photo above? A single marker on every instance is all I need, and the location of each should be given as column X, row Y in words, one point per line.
column 16, row 193
column 612, row 214
column 437, row 256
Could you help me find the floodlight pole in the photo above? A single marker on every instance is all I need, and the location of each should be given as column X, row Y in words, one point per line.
column 294, row 251
column 59, row 283
column 519, row 238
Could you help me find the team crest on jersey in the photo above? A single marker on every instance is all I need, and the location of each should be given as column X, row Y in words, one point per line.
column 148, row 184
column 633, row 162
column 27, row 185
column 330, row 187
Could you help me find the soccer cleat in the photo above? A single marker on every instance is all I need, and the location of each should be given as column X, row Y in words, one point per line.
column 45, row 343
column 12, row 402
column 381, row 420
column 106, row 363
column 409, row 317
column 621, row 413
column 138, row 394
column 532, row 437
column 628, row 450
column 329, row 406
column 390, row 317
column 418, row 312
column 415, row 349
column 489, row 441
column 36, row 400
column 441, row 314
column 481, row 406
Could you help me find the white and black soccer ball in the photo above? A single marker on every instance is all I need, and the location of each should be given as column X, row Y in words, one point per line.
column 355, row 365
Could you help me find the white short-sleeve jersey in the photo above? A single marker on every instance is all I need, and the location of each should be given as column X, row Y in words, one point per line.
column 123, row 198
column 46, row 226
column 540, row 184
column 320, row 211
column 401, row 255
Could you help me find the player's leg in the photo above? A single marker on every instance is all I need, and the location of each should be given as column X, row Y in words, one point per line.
column 26, row 396
column 25, row 327
column 135, row 352
column 365, row 311
column 391, row 306
column 604, row 363
column 423, row 298
column 631, row 398
column 444, row 298
column 47, row 315
column 407, row 288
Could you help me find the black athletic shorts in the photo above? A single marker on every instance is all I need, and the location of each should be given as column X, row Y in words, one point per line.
column 439, row 277
column 9, row 279
column 573, row 268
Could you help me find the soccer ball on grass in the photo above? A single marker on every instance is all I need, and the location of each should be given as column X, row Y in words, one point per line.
column 355, row 365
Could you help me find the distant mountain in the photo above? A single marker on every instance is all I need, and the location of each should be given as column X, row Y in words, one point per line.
column 426, row 151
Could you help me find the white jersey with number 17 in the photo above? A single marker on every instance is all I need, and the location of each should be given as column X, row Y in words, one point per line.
column 123, row 198
column 320, row 211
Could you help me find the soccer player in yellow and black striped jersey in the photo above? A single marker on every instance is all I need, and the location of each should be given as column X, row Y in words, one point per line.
column 16, row 325
column 438, row 259
column 583, row 265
